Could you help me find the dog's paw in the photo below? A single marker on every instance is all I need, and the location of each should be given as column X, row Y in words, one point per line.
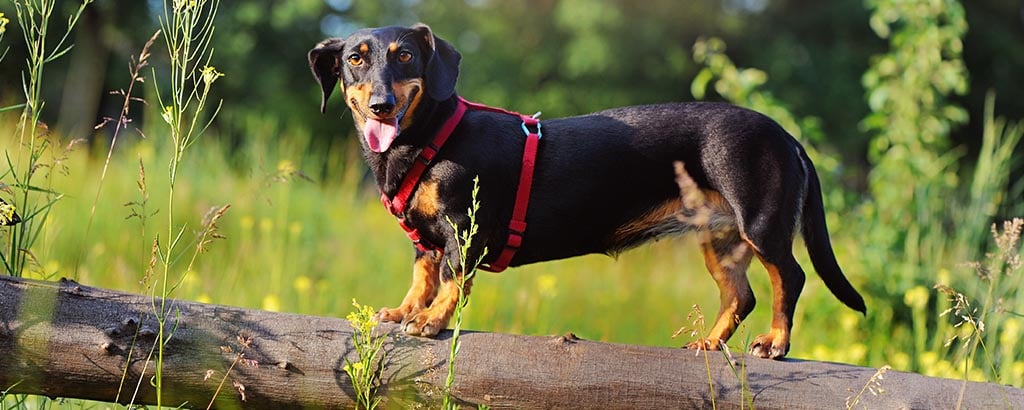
column 705, row 344
column 770, row 346
column 396, row 315
column 424, row 324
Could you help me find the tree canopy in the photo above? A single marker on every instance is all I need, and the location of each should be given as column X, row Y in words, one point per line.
column 561, row 57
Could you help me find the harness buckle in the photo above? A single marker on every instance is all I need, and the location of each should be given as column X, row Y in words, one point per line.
column 532, row 122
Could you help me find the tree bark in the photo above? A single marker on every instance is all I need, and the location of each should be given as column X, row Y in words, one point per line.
column 62, row 339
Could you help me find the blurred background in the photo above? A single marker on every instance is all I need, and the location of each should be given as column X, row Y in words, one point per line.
column 910, row 110
column 562, row 57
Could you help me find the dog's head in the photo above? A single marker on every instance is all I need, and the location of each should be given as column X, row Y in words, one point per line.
column 384, row 74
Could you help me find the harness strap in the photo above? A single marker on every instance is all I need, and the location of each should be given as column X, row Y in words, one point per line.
column 398, row 204
column 517, row 224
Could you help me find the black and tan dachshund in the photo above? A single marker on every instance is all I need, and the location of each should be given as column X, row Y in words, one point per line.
column 602, row 183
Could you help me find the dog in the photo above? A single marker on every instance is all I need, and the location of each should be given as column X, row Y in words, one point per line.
column 600, row 183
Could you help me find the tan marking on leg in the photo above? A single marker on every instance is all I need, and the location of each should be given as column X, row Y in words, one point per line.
column 433, row 319
column 736, row 298
column 775, row 343
column 425, row 278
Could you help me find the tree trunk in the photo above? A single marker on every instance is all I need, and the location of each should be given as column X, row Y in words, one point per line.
column 62, row 339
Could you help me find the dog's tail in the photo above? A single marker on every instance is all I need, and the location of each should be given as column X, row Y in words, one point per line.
column 815, row 233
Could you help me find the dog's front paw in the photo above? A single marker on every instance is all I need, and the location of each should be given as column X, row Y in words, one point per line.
column 396, row 315
column 426, row 323
column 704, row 344
column 770, row 346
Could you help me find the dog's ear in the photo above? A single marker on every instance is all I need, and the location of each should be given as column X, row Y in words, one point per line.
column 325, row 63
column 442, row 64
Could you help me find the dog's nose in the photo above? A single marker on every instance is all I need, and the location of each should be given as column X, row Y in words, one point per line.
column 382, row 104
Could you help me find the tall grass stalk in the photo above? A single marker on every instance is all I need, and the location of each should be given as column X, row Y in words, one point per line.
column 188, row 27
column 988, row 189
column 34, row 18
column 465, row 240
column 120, row 123
column 979, row 326
column 873, row 386
column 698, row 330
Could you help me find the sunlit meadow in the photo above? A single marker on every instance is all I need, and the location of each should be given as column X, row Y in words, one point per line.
column 306, row 234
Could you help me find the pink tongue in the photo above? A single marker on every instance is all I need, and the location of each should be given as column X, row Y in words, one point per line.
column 379, row 135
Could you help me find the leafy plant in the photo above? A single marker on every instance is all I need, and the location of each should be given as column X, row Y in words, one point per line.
column 911, row 118
column 36, row 198
column 368, row 345
column 188, row 27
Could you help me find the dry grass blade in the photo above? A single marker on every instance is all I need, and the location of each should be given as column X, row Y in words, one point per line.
column 873, row 386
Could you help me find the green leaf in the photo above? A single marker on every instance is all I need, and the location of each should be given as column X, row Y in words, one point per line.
column 700, row 83
column 879, row 26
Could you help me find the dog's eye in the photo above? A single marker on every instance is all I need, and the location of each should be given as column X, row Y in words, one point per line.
column 404, row 57
column 355, row 60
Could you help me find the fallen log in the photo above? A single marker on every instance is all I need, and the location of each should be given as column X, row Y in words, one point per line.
column 63, row 339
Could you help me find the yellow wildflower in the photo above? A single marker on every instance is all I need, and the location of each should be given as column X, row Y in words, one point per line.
column 916, row 297
column 302, row 284
column 272, row 303
column 7, row 215
column 210, row 74
column 168, row 114
column 546, row 286
column 285, row 167
column 295, row 228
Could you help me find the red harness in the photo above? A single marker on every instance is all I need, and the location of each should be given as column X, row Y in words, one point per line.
column 516, row 226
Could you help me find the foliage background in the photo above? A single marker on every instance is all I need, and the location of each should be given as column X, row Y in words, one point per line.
column 565, row 57
column 305, row 232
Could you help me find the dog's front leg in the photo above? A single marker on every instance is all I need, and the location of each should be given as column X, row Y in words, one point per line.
column 428, row 322
column 425, row 278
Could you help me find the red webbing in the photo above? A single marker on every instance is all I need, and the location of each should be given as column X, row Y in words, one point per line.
column 517, row 225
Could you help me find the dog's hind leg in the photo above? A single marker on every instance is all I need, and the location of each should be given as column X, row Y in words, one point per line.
column 425, row 278
column 769, row 227
column 769, row 230
column 787, row 280
column 727, row 257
